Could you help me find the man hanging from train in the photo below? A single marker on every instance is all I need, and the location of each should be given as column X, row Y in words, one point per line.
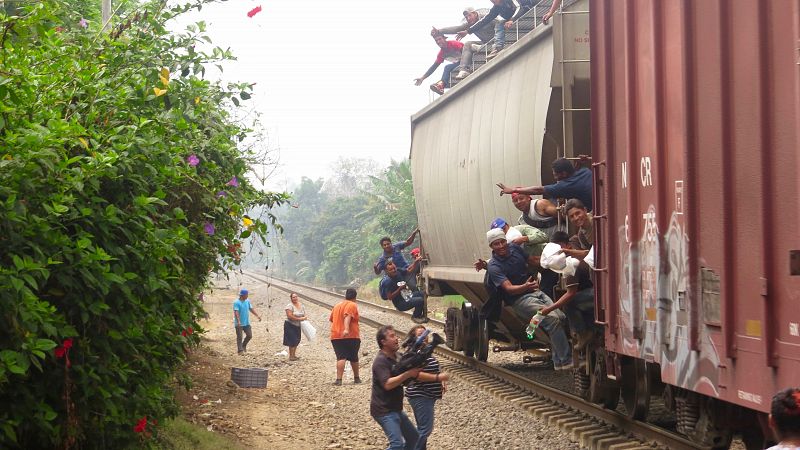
column 394, row 252
column 570, row 183
column 508, row 276
column 394, row 288
column 582, row 242
column 577, row 302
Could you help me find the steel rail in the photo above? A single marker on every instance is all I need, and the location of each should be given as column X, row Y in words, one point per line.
column 621, row 422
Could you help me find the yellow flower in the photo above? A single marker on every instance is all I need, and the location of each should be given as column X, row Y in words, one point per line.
column 197, row 100
column 159, row 92
column 164, row 76
column 84, row 142
column 247, row 222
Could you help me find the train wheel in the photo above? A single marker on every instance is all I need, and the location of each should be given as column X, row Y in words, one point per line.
column 458, row 331
column 601, row 390
column 699, row 418
column 482, row 340
column 469, row 323
column 635, row 385
column 449, row 327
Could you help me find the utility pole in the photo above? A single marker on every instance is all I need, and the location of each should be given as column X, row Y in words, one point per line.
column 106, row 11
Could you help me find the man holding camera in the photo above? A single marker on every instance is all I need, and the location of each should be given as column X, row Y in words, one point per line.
column 386, row 404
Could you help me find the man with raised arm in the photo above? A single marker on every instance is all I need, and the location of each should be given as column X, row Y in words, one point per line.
column 570, row 183
column 449, row 51
column 484, row 34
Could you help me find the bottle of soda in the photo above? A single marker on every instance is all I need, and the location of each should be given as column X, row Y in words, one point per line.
column 535, row 321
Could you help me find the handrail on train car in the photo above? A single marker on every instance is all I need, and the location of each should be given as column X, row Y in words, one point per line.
column 596, row 218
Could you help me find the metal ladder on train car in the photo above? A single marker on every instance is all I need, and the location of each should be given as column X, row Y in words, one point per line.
column 567, row 109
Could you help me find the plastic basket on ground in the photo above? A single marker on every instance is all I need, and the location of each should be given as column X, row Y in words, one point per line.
column 250, row 377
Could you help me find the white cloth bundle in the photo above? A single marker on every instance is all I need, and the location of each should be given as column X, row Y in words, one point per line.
column 308, row 330
column 553, row 258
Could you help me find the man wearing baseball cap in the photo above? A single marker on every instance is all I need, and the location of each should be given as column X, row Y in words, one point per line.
column 484, row 34
column 241, row 320
column 508, row 276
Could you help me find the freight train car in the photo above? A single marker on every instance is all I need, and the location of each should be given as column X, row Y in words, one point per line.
column 696, row 119
column 502, row 123
column 695, row 135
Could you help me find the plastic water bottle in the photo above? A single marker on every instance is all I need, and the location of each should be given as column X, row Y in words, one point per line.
column 405, row 292
column 535, row 321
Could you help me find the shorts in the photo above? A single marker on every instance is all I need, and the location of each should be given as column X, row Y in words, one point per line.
column 346, row 349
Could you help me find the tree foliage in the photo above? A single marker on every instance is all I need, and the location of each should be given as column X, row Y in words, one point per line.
column 121, row 187
column 332, row 237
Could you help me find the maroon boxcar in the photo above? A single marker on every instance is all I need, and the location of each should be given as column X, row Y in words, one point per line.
column 695, row 135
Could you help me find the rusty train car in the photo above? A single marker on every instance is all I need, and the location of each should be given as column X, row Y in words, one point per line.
column 691, row 112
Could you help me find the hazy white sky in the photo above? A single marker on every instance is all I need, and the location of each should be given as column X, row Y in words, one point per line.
column 334, row 78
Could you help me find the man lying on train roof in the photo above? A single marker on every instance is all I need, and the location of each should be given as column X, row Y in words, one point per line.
column 577, row 302
column 508, row 275
column 570, row 183
column 582, row 242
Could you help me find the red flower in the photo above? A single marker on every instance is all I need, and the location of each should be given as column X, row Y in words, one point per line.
column 140, row 425
column 183, row 333
column 191, row 330
column 63, row 349
column 60, row 352
column 254, row 11
column 67, row 343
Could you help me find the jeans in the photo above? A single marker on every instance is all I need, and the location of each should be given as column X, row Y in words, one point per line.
column 499, row 34
column 423, row 414
column 527, row 305
column 580, row 311
column 417, row 302
column 466, row 55
column 399, row 430
column 242, row 345
column 446, row 73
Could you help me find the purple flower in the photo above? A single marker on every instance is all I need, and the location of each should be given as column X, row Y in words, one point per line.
column 234, row 182
column 209, row 228
column 221, row 194
column 193, row 160
column 83, row 22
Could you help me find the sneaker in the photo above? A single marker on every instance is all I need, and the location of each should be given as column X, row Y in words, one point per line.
column 419, row 319
column 357, row 381
column 461, row 75
column 493, row 53
column 438, row 87
column 338, row 382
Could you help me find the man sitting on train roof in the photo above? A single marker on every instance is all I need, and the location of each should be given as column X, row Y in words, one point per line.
column 393, row 287
column 577, row 302
column 485, row 34
column 450, row 51
column 508, row 276
column 395, row 253
column 570, row 183
column 582, row 242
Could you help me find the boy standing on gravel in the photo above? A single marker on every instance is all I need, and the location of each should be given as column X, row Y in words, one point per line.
column 345, row 336
column 386, row 404
column 241, row 320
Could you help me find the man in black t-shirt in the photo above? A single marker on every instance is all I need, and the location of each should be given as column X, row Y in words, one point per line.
column 386, row 404
column 578, row 300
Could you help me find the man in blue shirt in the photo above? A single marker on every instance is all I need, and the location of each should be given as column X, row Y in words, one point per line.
column 508, row 276
column 570, row 183
column 393, row 287
column 241, row 320
column 394, row 253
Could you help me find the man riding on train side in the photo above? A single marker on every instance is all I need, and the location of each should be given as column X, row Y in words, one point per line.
column 570, row 183
column 508, row 276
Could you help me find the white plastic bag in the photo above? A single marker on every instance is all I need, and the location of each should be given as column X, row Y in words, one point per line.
column 589, row 259
column 308, row 330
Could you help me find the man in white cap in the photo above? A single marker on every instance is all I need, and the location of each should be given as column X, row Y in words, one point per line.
column 241, row 320
column 484, row 34
column 508, row 276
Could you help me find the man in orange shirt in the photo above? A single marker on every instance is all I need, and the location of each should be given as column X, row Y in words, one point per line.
column 345, row 336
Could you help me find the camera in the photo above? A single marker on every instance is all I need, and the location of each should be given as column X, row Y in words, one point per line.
column 417, row 354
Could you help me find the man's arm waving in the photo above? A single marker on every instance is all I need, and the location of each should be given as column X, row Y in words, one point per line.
column 530, row 190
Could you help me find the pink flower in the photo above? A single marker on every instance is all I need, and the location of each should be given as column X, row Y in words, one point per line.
column 193, row 160
column 254, row 11
column 209, row 228
column 234, row 182
column 83, row 23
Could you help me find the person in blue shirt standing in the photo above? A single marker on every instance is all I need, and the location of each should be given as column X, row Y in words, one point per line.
column 241, row 320
column 570, row 183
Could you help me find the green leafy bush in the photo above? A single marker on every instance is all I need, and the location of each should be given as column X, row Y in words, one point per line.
column 121, row 187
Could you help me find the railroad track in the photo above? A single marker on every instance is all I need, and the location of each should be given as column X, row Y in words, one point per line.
column 590, row 425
